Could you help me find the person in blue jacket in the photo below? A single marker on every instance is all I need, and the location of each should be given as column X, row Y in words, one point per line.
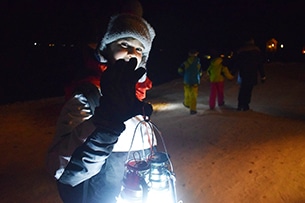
column 191, row 72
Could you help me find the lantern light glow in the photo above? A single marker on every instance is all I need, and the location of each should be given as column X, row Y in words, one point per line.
column 149, row 179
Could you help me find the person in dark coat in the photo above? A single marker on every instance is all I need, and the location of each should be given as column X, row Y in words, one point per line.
column 248, row 63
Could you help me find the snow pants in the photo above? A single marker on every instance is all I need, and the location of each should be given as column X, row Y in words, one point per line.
column 190, row 96
column 244, row 96
column 216, row 92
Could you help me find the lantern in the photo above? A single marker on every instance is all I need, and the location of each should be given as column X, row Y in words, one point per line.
column 149, row 179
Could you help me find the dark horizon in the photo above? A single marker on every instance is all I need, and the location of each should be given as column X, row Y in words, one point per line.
column 221, row 23
column 34, row 72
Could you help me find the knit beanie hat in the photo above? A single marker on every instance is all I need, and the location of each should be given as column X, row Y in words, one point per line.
column 129, row 25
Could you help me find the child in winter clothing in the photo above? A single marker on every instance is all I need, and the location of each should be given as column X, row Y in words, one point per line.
column 191, row 72
column 217, row 72
column 103, row 135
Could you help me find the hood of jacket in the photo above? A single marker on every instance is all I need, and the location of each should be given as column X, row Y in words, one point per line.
column 191, row 59
column 217, row 61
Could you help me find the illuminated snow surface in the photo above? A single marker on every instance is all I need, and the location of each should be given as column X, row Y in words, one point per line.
column 218, row 156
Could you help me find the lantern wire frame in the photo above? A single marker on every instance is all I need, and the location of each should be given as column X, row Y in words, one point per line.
column 153, row 132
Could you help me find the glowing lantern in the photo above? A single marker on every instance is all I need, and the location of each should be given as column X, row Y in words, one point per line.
column 149, row 179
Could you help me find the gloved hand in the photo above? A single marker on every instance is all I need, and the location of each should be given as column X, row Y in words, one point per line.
column 118, row 102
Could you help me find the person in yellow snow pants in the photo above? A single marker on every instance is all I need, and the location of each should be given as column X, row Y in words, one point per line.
column 190, row 97
column 191, row 72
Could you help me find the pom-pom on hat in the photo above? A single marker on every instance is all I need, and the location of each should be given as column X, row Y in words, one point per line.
column 129, row 25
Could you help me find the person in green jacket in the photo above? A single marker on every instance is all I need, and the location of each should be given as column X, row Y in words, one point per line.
column 217, row 73
column 191, row 72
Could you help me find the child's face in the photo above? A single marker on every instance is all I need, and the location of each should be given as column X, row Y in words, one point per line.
column 126, row 48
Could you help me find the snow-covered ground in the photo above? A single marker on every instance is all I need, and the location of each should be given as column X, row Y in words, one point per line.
column 218, row 156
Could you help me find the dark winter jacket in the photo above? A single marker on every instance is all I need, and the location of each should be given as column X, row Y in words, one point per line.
column 89, row 158
column 248, row 63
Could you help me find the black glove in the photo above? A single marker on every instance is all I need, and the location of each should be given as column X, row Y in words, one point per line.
column 118, row 102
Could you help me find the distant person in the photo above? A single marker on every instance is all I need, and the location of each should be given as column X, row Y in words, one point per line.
column 95, row 129
column 217, row 73
column 248, row 63
column 191, row 72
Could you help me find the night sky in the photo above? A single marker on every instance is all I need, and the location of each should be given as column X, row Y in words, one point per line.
column 180, row 25
column 177, row 23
